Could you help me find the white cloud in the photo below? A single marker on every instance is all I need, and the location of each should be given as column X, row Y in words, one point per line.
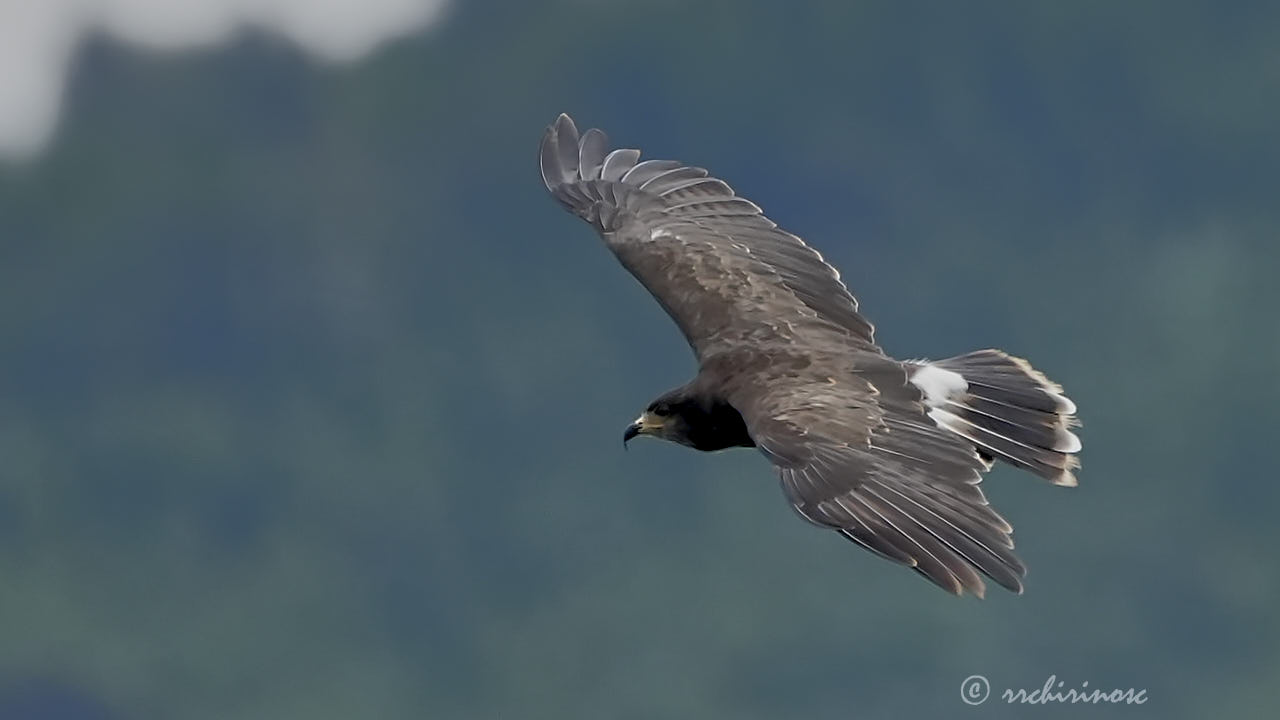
column 39, row 37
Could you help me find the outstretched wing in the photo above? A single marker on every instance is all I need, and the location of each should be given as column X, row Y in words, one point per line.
column 857, row 454
column 726, row 274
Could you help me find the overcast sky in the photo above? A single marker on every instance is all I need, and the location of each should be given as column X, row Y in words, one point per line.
column 38, row 39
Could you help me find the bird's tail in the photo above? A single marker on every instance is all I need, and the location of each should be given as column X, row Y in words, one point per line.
column 1007, row 409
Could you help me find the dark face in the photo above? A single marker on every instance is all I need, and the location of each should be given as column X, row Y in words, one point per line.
column 697, row 422
column 662, row 419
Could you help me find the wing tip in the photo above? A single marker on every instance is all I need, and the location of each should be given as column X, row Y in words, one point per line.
column 593, row 146
column 558, row 152
column 564, row 124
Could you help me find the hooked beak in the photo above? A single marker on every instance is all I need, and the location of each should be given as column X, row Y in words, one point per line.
column 646, row 424
column 632, row 430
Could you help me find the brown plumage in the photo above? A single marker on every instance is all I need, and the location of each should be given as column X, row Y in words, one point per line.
column 888, row 453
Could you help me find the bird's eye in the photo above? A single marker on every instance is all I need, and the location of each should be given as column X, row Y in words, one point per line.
column 660, row 410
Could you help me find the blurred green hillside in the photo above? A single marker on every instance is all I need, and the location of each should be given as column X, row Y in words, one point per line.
column 311, row 399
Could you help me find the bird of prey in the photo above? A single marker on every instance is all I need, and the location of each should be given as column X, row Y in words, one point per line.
column 888, row 453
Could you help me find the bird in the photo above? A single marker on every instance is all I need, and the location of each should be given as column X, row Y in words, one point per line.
column 888, row 453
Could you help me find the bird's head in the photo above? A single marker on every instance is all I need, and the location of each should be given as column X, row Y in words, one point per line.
column 663, row 419
column 692, row 417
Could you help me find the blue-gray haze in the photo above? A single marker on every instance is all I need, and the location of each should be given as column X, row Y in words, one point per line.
column 311, row 398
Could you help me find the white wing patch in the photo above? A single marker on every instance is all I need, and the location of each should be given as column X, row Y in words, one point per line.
column 939, row 385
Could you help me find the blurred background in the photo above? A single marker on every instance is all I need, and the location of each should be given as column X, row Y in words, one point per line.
column 311, row 398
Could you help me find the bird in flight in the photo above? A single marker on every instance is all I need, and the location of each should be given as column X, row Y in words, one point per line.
column 888, row 453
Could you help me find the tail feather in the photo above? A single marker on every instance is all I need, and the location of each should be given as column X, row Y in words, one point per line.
column 1007, row 409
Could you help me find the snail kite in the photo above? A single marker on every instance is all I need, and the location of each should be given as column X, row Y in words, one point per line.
column 888, row 453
